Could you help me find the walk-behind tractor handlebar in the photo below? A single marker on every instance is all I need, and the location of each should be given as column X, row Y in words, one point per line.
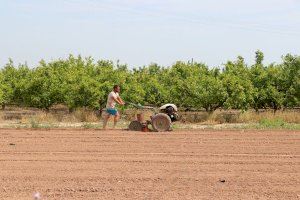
column 139, row 106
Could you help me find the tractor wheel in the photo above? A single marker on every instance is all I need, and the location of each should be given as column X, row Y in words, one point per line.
column 161, row 122
column 135, row 126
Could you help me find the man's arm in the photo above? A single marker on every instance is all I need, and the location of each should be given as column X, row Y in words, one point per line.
column 119, row 100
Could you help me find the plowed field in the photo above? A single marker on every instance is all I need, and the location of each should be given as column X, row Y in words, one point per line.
column 94, row 164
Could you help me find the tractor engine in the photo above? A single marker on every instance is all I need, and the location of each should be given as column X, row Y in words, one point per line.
column 170, row 110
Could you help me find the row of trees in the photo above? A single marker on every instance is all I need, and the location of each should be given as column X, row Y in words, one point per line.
column 81, row 82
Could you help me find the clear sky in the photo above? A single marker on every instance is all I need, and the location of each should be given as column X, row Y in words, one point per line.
column 138, row 32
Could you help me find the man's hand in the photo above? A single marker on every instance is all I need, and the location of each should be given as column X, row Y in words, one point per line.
column 122, row 102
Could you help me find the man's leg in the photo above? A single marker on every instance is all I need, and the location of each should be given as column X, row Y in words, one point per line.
column 116, row 119
column 105, row 120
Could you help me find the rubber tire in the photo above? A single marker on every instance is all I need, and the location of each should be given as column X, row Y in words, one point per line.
column 161, row 122
column 135, row 126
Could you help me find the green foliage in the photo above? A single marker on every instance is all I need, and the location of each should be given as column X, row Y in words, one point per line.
column 236, row 80
column 267, row 82
column 5, row 91
column 8, row 83
column 277, row 123
column 290, row 80
column 259, row 57
column 91, row 126
column 82, row 82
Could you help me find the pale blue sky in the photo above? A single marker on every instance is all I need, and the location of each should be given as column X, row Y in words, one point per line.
column 138, row 32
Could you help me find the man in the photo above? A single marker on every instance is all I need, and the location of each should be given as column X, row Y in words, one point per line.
column 112, row 99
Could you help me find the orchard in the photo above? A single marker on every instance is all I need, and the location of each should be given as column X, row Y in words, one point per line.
column 83, row 82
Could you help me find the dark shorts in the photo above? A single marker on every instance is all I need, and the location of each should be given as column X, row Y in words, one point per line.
column 112, row 111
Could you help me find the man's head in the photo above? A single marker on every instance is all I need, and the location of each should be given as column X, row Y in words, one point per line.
column 116, row 88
